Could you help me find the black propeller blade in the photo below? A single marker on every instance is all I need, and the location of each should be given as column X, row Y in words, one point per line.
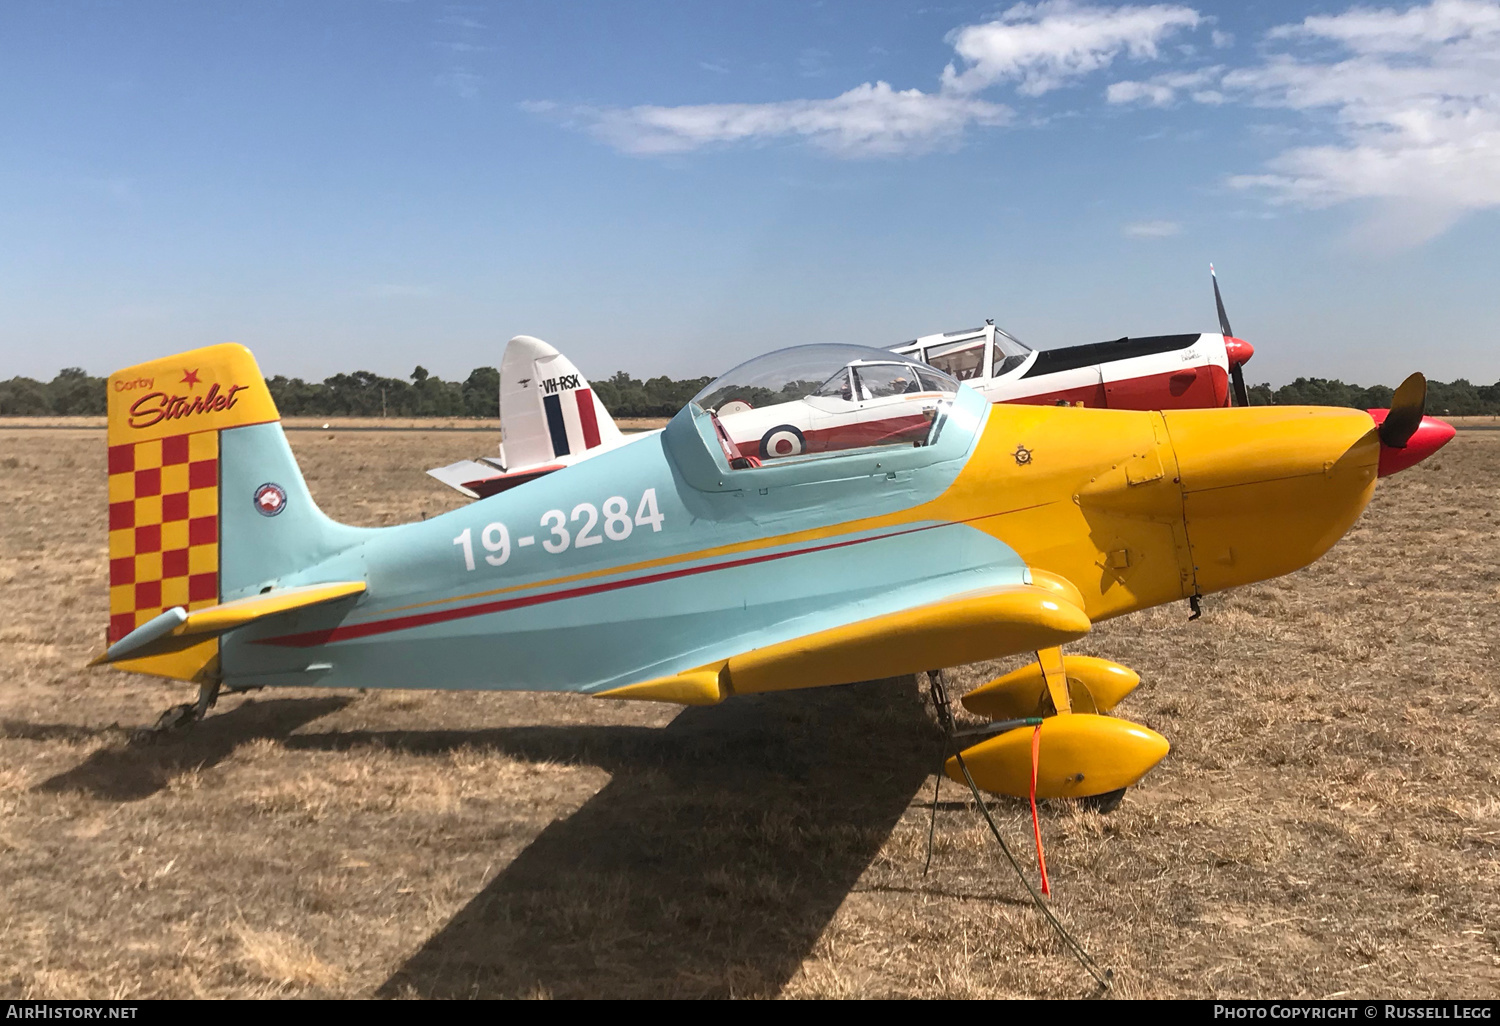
column 1236, row 372
column 1241, row 393
column 1408, row 406
column 1224, row 328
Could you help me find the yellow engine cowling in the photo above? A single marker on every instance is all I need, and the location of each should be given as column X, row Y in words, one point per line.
column 1022, row 692
column 1081, row 755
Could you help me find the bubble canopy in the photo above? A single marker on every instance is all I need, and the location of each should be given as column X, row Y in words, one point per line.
column 819, row 399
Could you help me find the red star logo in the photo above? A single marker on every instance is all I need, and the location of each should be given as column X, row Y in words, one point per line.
column 189, row 377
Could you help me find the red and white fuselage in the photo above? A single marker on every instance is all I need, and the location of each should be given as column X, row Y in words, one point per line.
column 1158, row 372
column 551, row 418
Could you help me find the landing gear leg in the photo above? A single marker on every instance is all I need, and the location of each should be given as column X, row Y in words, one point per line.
column 937, row 691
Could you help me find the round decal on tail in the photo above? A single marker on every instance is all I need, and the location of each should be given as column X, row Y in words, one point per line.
column 270, row 499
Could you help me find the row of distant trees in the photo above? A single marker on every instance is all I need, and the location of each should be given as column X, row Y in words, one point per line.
column 364, row 394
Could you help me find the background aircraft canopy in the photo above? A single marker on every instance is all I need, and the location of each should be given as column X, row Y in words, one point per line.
column 824, row 399
column 789, row 375
column 962, row 353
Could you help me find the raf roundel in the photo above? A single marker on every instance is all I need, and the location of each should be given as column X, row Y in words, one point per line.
column 785, row 440
column 270, row 499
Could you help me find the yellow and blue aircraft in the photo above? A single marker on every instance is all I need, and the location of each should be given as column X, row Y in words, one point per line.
column 926, row 529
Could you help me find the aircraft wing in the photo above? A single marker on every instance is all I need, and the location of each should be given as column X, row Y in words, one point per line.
column 966, row 626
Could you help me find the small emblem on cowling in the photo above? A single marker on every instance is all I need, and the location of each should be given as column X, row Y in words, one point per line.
column 1023, row 455
column 270, row 499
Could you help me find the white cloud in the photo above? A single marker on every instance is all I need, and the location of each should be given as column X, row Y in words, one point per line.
column 867, row 120
column 1045, row 45
column 1037, row 47
column 1387, row 31
column 1162, row 90
column 1414, row 98
column 1152, row 229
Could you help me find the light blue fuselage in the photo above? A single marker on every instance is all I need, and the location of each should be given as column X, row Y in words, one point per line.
column 572, row 620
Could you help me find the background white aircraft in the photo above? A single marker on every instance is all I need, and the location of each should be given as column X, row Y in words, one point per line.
column 550, row 418
column 1157, row 372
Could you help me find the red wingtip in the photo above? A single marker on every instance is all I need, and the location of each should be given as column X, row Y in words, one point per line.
column 1239, row 350
column 1431, row 435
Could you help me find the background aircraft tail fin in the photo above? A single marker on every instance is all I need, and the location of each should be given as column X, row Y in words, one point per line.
column 547, row 409
column 206, row 502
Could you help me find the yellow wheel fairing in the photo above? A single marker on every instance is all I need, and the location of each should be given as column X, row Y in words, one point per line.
column 1081, row 755
column 1019, row 693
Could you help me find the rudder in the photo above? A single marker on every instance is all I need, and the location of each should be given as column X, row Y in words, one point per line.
column 187, row 434
column 548, row 411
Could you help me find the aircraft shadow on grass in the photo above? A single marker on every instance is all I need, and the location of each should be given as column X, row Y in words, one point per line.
column 709, row 865
column 148, row 762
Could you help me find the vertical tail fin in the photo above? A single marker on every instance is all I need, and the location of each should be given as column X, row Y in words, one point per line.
column 547, row 409
column 198, row 472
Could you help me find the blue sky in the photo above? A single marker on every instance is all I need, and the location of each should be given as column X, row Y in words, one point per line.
column 674, row 187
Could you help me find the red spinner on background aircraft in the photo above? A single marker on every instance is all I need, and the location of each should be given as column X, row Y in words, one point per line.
column 550, row 418
column 1158, row 372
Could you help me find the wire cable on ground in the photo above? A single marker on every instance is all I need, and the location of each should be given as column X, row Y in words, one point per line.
column 937, row 684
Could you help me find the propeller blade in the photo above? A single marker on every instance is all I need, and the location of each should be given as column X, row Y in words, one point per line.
column 1224, row 328
column 1408, row 406
column 1241, row 393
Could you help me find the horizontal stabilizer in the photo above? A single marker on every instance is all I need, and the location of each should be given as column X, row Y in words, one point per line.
column 459, row 475
column 479, row 479
column 177, row 622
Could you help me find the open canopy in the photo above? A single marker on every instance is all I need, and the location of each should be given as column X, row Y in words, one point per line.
column 986, row 352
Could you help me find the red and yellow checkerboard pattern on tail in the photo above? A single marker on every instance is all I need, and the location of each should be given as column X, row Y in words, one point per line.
column 164, row 422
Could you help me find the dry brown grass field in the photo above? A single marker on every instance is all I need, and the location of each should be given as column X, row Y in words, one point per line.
column 1328, row 822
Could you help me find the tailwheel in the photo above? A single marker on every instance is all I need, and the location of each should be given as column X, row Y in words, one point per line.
column 180, row 716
